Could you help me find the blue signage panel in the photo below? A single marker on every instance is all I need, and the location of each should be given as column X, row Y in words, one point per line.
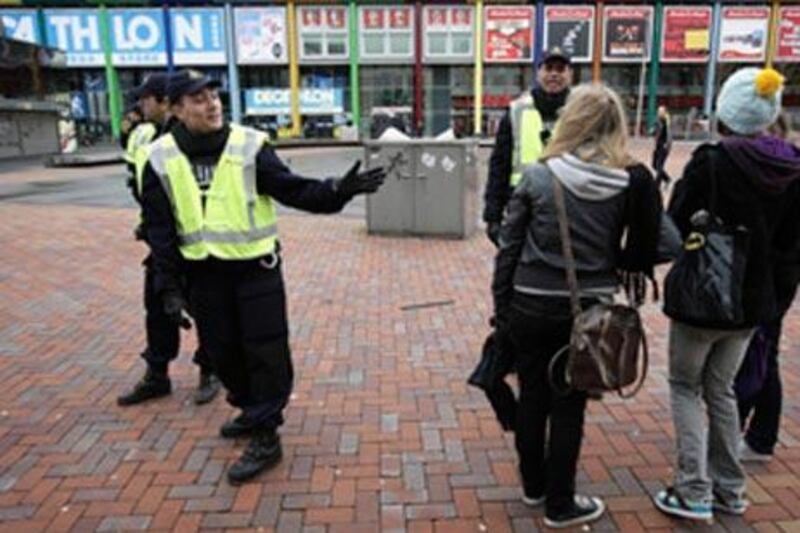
column 20, row 24
column 322, row 101
column 137, row 37
column 198, row 36
column 77, row 32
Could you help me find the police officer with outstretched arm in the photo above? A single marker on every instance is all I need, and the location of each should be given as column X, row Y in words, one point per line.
column 162, row 328
column 209, row 193
column 522, row 134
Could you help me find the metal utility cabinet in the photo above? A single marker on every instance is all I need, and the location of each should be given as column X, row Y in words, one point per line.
column 431, row 187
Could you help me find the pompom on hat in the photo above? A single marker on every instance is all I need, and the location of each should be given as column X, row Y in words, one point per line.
column 750, row 100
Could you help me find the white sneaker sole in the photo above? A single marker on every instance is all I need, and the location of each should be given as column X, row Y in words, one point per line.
column 601, row 508
column 533, row 502
column 683, row 513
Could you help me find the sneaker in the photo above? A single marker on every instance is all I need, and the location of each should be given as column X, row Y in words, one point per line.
column 151, row 386
column 263, row 452
column 237, row 427
column 749, row 455
column 585, row 509
column 207, row 388
column 736, row 506
column 670, row 502
column 532, row 501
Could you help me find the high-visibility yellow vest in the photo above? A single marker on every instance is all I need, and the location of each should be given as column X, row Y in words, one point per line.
column 526, row 127
column 141, row 136
column 236, row 222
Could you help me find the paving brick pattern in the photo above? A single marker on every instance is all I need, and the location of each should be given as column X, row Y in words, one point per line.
column 382, row 432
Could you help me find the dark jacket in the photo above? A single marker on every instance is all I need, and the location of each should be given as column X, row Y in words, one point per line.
column 498, row 188
column 758, row 187
column 602, row 204
column 273, row 178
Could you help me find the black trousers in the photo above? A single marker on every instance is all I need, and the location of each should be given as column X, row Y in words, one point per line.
column 163, row 335
column 549, row 427
column 240, row 311
column 761, row 433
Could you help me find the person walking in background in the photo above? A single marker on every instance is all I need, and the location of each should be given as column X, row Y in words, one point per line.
column 760, row 403
column 607, row 196
column 748, row 180
column 663, row 146
column 523, row 133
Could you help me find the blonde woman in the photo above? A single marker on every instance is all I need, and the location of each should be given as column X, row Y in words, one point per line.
column 607, row 194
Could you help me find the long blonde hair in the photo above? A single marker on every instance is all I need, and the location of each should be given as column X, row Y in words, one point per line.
column 592, row 127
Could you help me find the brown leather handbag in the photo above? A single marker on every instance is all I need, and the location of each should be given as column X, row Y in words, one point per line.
column 607, row 345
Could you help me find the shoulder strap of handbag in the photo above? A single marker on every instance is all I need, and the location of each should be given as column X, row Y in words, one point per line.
column 566, row 247
column 712, row 176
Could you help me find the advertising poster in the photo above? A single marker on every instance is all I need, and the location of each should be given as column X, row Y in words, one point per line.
column 77, row 32
column 788, row 48
column 313, row 101
column 686, row 34
column 20, row 25
column 571, row 29
column 509, row 34
column 626, row 35
column 743, row 34
column 386, row 32
column 323, row 32
column 198, row 36
column 448, row 32
column 260, row 35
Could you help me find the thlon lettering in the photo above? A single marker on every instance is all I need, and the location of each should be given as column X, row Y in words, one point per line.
column 140, row 33
column 188, row 32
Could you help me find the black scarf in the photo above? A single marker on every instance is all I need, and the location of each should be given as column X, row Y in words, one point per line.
column 549, row 104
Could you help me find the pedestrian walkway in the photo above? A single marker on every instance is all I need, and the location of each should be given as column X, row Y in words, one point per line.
column 382, row 432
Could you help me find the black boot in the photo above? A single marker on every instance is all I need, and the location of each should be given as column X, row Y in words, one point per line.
column 263, row 452
column 237, row 427
column 207, row 388
column 153, row 385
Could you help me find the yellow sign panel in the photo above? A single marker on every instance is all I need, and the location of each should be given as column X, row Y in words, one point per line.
column 696, row 40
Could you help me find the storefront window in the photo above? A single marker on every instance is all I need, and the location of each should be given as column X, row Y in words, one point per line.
column 625, row 80
column 387, row 96
column 681, row 88
column 386, row 33
column 323, row 32
column 449, row 97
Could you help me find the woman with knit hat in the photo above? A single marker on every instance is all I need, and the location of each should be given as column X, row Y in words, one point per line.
column 756, row 179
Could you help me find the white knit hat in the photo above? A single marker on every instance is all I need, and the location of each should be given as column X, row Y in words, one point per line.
column 750, row 100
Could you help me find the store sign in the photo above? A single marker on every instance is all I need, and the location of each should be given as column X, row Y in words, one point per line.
column 323, row 32
column 448, row 32
column 20, row 24
column 788, row 48
column 626, row 35
column 743, row 34
column 77, row 32
column 260, row 35
column 386, row 32
column 571, row 29
column 138, row 37
column 198, row 36
column 686, row 34
column 313, row 101
column 508, row 37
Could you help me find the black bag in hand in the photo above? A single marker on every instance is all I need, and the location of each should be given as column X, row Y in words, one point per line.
column 497, row 361
column 704, row 285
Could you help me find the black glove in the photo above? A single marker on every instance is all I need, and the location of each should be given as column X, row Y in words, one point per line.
column 635, row 285
column 493, row 232
column 174, row 304
column 355, row 182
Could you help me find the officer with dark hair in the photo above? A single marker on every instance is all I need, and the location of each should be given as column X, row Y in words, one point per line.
column 209, row 193
column 163, row 330
column 523, row 132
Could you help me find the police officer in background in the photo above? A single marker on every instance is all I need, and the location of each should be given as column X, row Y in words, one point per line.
column 522, row 134
column 209, row 193
column 162, row 328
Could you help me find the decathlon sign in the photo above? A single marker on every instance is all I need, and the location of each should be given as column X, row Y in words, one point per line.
column 20, row 24
column 138, row 37
column 328, row 101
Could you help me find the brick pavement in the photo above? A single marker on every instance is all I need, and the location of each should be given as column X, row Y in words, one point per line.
column 382, row 432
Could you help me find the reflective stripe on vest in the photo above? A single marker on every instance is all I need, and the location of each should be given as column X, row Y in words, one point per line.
column 140, row 137
column 526, row 128
column 236, row 222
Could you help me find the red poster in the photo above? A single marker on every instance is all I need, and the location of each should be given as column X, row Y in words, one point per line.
column 788, row 48
column 399, row 18
column 335, row 17
column 461, row 16
column 437, row 17
column 686, row 34
column 373, row 18
column 509, row 33
column 312, row 17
